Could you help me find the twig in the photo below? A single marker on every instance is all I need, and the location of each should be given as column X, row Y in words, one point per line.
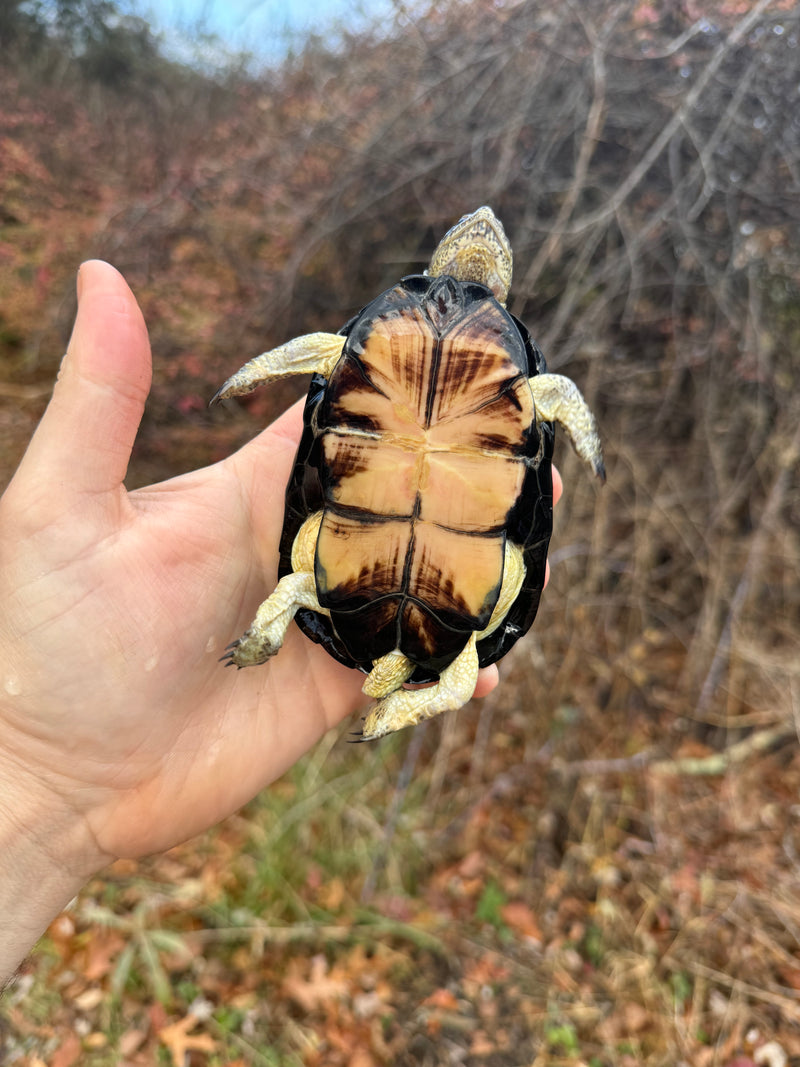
column 678, row 118
column 589, row 141
column 317, row 933
column 719, row 762
column 713, row 765
column 787, row 463
column 592, row 767
column 784, row 1001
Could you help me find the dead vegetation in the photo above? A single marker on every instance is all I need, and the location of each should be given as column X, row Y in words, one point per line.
column 599, row 863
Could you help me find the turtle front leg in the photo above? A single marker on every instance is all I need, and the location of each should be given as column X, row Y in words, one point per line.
column 267, row 632
column 558, row 399
column 313, row 353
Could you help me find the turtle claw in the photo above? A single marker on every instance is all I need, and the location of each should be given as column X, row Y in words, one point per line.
column 248, row 651
column 356, row 736
column 265, row 635
column 228, row 655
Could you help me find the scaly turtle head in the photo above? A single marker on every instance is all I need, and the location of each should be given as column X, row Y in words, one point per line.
column 476, row 249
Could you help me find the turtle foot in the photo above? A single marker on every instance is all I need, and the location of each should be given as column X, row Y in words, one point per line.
column 266, row 634
column 407, row 707
column 249, row 650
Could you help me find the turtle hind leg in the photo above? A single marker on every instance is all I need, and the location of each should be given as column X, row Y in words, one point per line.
column 265, row 635
column 558, row 399
column 407, row 707
column 313, row 353
column 388, row 673
column 397, row 708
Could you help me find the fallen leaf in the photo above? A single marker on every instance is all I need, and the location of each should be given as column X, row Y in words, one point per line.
column 88, row 999
column 771, row 1054
column 179, row 1041
column 361, row 1058
column 101, row 952
column 487, row 970
column 473, row 864
column 481, row 1045
column 68, row 1052
column 443, row 999
column 635, row 1017
column 318, row 989
column 331, row 894
column 131, row 1041
column 521, row 919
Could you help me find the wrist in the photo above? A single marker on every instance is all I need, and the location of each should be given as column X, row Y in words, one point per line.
column 48, row 854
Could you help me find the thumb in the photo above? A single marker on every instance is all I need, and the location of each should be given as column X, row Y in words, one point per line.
column 84, row 441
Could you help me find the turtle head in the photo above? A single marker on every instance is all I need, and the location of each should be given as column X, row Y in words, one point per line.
column 476, row 249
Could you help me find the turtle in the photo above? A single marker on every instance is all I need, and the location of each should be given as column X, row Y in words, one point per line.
column 419, row 509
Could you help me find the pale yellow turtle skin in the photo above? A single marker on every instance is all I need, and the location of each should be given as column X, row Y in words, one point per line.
column 401, row 434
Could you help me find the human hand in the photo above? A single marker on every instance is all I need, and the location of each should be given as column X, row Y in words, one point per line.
column 115, row 607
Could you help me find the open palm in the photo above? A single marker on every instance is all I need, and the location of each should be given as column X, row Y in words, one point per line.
column 115, row 608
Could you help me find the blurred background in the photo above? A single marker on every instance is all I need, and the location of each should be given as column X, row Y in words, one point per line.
column 598, row 864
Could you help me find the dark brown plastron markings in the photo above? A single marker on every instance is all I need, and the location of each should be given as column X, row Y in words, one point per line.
column 426, row 637
column 424, row 634
column 357, row 557
column 399, row 359
column 378, row 477
column 500, row 425
column 455, row 573
column 474, row 362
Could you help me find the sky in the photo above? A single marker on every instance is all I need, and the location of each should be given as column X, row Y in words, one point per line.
column 265, row 28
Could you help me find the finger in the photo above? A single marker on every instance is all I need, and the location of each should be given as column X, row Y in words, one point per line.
column 262, row 468
column 488, row 678
column 558, row 489
column 83, row 443
column 275, row 447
